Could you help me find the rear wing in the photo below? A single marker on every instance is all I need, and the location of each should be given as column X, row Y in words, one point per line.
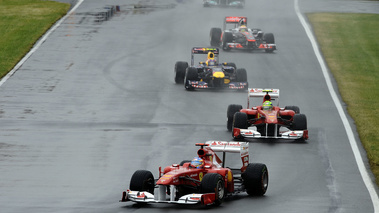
column 266, row 94
column 203, row 50
column 231, row 147
column 236, row 20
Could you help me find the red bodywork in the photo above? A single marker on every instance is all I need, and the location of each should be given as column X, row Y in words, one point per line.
column 183, row 183
column 260, row 118
column 268, row 116
column 172, row 175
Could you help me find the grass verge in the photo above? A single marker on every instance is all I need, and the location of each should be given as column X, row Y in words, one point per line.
column 350, row 45
column 22, row 23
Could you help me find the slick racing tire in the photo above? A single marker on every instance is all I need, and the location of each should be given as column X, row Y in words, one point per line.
column 269, row 38
column 255, row 179
column 296, row 109
column 180, row 71
column 215, row 37
column 191, row 75
column 226, row 38
column 232, row 109
column 241, row 75
column 142, row 180
column 299, row 122
column 213, row 183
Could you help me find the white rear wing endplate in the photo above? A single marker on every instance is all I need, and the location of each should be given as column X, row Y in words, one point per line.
column 224, row 146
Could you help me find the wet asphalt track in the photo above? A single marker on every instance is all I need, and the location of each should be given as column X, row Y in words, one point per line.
column 97, row 101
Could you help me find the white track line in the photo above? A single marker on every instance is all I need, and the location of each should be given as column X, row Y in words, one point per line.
column 39, row 43
column 353, row 143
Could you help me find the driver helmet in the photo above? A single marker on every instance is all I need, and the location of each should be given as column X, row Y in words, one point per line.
column 211, row 61
column 243, row 29
column 197, row 163
column 267, row 105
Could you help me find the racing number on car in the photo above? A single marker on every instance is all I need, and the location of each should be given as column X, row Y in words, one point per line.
column 201, row 176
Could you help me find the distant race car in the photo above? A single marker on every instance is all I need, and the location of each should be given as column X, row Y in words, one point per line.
column 266, row 120
column 224, row 3
column 241, row 37
column 204, row 180
column 210, row 73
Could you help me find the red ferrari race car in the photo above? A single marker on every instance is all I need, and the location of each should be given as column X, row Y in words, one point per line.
column 241, row 37
column 204, row 180
column 209, row 73
column 266, row 120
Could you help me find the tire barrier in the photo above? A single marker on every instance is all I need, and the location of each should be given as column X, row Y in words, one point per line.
column 106, row 13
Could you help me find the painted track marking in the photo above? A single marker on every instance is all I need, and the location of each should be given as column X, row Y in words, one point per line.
column 353, row 143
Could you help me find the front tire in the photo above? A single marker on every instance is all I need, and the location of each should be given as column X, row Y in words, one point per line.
column 226, row 38
column 241, row 75
column 255, row 179
column 213, row 183
column 240, row 120
column 142, row 180
column 299, row 122
column 191, row 75
column 269, row 38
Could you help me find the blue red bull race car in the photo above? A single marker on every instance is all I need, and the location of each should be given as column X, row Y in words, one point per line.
column 209, row 73
column 205, row 180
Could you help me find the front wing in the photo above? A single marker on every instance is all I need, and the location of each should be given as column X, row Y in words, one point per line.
column 260, row 47
column 146, row 197
column 290, row 134
column 205, row 85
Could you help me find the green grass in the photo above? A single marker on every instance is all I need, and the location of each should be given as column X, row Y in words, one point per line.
column 22, row 22
column 350, row 45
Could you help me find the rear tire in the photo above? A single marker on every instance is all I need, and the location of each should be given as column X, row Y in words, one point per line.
column 142, row 180
column 296, row 109
column 232, row 109
column 191, row 75
column 255, row 179
column 231, row 64
column 299, row 122
column 180, row 71
column 215, row 37
column 213, row 183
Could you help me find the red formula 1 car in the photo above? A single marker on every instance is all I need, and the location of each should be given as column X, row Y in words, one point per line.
column 240, row 37
column 266, row 121
column 204, row 180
